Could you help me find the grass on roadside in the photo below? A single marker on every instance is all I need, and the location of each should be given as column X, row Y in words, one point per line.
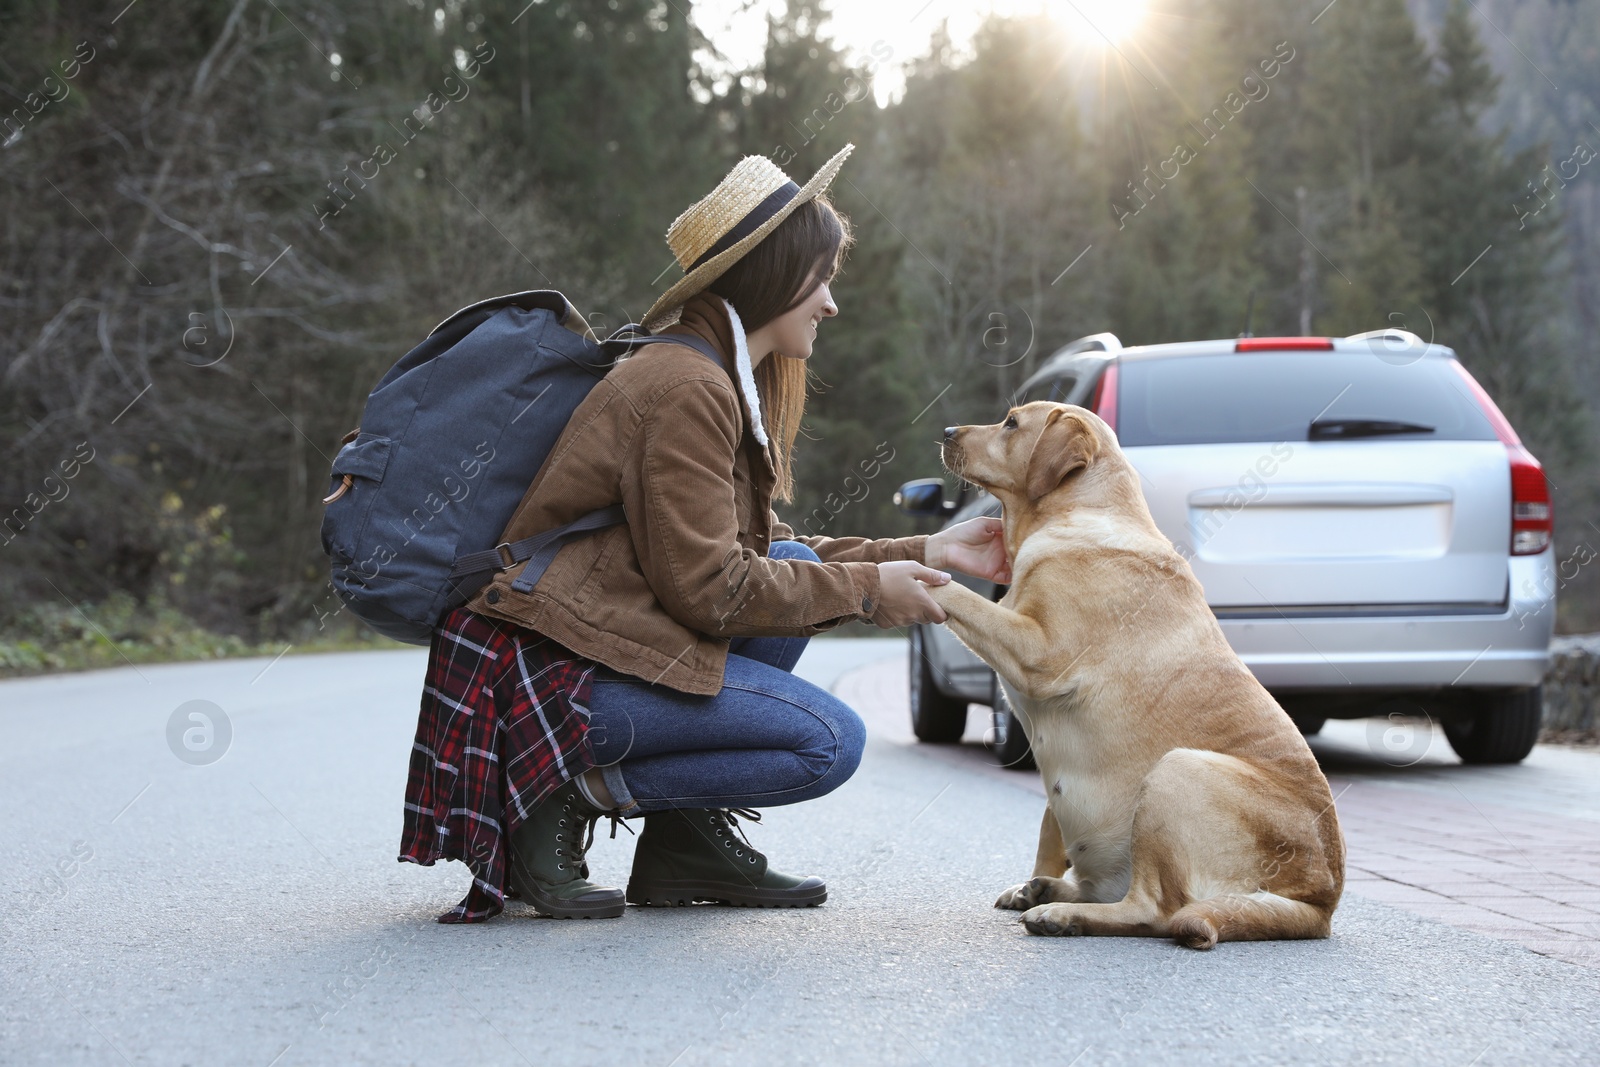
column 120, row 630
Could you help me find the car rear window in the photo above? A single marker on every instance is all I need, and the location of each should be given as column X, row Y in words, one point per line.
column 1056, row 389
column 1274, row 396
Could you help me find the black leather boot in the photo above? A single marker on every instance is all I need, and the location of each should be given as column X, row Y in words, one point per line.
column 701, row 854
column 547, row 864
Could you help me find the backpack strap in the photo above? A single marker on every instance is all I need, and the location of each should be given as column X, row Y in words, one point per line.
column 632, row 336
column 688, row 340
column 537, row 550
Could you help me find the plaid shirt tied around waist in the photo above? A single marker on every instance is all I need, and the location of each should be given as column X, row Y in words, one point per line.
column 503, row 723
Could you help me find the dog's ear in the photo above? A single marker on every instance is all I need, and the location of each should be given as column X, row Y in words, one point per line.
column 1065, row 445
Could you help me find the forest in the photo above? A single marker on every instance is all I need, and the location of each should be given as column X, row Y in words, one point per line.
column 222, row 221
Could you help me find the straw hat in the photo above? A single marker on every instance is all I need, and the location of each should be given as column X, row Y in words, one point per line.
column 745, row 206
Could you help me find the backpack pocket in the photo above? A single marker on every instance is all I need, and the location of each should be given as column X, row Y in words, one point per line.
column 357, row 472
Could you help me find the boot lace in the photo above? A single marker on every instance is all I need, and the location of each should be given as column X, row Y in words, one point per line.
column 726, row 820
column 579, row 852
column 569, row 815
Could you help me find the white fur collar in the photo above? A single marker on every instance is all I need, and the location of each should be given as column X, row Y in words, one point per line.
column 747, row 377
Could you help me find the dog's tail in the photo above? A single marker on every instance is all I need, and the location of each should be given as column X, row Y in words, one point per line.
column 1247, row 917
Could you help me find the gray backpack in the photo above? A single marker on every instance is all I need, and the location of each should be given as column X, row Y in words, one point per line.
column 449, row 442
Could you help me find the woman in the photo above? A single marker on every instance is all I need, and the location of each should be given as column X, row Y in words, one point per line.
column 647, row 671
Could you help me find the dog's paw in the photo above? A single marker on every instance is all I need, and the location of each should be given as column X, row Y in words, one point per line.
column 1017, row 898
column 1029, row 894
column 1052, row 920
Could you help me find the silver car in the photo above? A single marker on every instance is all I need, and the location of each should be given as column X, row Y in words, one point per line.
column 1371, row 534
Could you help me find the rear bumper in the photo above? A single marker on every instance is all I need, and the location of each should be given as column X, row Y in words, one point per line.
column 1509, row 647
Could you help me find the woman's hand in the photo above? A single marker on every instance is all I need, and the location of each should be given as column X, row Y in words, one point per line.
column 976, row 547
column 902, row 599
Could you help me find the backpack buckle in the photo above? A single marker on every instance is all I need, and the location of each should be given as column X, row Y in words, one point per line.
column 507, row 560
column 344, row 487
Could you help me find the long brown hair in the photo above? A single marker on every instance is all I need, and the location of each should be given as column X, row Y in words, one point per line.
column 778, row 274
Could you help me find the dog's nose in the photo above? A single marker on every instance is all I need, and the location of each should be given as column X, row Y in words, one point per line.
column 950, row 432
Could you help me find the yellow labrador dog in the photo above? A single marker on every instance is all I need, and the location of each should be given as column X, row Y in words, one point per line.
column 1182, row 800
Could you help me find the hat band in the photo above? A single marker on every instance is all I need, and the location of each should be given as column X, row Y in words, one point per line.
column 750, row 223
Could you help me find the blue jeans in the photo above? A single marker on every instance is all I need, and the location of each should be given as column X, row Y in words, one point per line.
column 766, row 738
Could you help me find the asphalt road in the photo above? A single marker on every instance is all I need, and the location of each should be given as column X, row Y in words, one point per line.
column 250, row 911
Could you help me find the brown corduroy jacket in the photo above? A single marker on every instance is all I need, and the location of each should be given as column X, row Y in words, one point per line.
column 667, row 433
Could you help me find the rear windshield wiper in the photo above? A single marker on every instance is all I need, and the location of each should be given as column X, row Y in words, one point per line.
column 1338, row 429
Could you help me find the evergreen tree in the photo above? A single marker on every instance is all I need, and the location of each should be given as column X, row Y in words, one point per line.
column 318, row 186
column 806, row 102
column 596, row 118
column 1367, row 142
column 995, row 202
column 1467, row 82
column 1174, row 142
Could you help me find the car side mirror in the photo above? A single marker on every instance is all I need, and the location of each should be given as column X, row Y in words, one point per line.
column 924, row 498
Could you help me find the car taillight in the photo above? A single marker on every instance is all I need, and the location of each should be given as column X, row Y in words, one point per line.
column 1104, row 402
column 1533, row 516
column 1283, row 344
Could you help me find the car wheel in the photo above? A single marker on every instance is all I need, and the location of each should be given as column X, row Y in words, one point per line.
column 935, row 716
column 1501, row 727
column 1008, row 741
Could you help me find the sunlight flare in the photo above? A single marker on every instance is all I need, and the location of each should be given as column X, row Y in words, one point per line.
column 1110, row 21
